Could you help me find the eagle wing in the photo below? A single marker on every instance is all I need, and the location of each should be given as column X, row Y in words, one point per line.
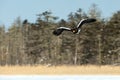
column 59, row 30
column 83, row 21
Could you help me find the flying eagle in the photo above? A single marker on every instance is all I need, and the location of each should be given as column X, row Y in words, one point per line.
column 75, row 30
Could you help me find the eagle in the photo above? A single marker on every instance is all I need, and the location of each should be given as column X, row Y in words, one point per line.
column 75, row 30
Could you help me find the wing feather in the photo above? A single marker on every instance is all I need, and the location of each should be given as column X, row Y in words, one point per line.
column 83, row 21
column 59, row 30
column 64, row 28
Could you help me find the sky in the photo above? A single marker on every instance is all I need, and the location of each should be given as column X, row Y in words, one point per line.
column 28, row 9
column 62, row 77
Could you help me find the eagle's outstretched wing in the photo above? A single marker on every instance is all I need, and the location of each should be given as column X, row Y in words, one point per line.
column 83, row 21
column 59, row 30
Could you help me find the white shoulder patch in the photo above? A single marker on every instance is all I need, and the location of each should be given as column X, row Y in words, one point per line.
column 80, row 22
column 64, row 28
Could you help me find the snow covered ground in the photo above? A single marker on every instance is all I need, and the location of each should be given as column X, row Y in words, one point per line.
column 59, row 77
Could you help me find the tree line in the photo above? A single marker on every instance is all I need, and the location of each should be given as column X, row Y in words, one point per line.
column 33, row 43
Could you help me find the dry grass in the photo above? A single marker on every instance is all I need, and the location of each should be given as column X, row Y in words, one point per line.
column 60, row 70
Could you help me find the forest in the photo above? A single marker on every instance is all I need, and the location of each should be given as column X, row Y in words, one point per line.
column 34, row 43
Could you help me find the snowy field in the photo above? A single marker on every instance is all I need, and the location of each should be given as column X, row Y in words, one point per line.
column 57, row 77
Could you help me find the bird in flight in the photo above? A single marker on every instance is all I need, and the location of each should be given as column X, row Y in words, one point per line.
column 75, row 30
